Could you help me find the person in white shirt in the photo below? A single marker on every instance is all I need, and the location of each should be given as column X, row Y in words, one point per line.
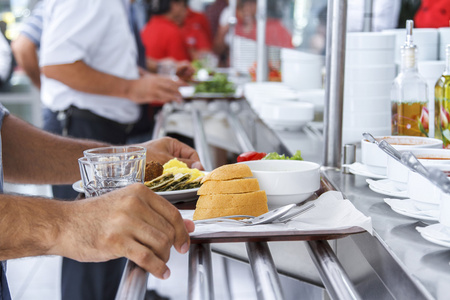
column 92, row 84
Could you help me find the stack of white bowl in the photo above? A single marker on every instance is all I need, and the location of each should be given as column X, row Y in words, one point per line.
column 301, row 70
column 369, row 72
column 426, row 40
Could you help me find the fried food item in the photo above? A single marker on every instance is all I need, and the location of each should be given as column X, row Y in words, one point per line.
column 153, row 169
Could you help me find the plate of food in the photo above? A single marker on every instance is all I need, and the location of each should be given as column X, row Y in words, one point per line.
column 216, row 87
column 174, row 180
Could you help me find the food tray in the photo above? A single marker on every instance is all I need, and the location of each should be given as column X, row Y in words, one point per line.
column 231, row 237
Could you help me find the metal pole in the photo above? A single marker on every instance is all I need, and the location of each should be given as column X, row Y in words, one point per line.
column 200, row 282
column 232, row 21
column 201, row 144
column 368, row 15
column 334, row 91
column 333, row 276
column 261, row 50
column 265, row 274
column 133, row 283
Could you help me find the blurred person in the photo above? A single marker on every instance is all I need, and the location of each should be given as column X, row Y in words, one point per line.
column 385, row 15
column 92, row 230
column 6, row 58
column 276, row 33
column 213, row 12
column 26, row 46
column 93, row 88
column 162, row 36
column 197, row 34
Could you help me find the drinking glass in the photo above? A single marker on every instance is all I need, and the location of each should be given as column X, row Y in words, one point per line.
column 109, row 168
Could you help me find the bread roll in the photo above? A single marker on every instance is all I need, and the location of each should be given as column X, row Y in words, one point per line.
column 227, row 172
column 233, row 186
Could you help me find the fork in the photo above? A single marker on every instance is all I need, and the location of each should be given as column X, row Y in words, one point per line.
column 248, row 219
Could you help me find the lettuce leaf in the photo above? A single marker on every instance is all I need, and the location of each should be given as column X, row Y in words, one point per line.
column 274, row 155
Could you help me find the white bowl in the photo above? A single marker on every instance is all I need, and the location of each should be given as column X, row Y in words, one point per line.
column 367, row 119
column 371, row 73
column 366, row 88
column 425, row 195
column 370, row 40
column 352, row 135
column 286, row 112
column 376, row 159
column 369, row 57
column 431, row 69
column 286, row 181
column 399, row 174
column 367, row 104
column 444, row 39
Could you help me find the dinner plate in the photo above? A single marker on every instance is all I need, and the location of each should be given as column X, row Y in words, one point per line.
column 436, row 233
column 361, row 169
column 386, row 187
column 407, row 208
column 171, row 196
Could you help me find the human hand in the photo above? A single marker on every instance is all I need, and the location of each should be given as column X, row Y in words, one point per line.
column 131, row 222
column 166, row 148
column 185, row 70
column 154, row 89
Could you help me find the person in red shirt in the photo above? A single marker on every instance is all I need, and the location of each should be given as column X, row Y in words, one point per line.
column 197, row 34
column 162, row 36
column 433, row 14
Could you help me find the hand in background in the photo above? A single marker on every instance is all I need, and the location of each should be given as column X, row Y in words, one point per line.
column 164, row 149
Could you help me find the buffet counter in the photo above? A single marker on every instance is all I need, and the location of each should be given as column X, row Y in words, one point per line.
column 393, row 263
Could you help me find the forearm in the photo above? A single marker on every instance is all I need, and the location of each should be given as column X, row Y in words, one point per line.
column 25, row 54
column 81, row 77
column 31, row 155
column 29, row 226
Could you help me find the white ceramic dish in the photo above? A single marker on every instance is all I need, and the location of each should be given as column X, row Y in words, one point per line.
column 368, row 88
column 171, row 196
column 357, row 168
column 399, row 173
column 286, row 181
column 364, row 57
column 367, row 104
column 386, row 187
column 436, row 233
column 370, row 40
column 372, row 73
column 444, row 217
column 287, row 114
column 376, row 160
column 366, row 119
column 406, row 207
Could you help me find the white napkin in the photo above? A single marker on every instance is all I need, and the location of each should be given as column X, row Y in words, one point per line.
column 331, row 212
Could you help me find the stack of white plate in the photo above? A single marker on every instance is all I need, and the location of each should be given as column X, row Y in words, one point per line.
column 444, row 40
column 369, row 72
column 426, row 39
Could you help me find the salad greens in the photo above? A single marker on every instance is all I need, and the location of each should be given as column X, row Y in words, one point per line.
column 274, row 155
column 218, row 84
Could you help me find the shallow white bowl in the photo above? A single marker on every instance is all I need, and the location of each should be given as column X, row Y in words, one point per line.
column 370, row 40
column 444, row 216
column 286, row 181
column 369, row 57
column 368, row 88
column 287, row 112
column 376, row 160
column 367, row 104
column 370, row 73
column 433, row 158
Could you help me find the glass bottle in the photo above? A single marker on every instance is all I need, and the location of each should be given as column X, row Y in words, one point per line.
column 410, row 115
column 442, row 103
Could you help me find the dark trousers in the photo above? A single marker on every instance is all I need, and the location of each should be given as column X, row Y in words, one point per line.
column 87, row 281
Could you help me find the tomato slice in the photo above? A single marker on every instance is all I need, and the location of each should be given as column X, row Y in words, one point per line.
column 251, row 155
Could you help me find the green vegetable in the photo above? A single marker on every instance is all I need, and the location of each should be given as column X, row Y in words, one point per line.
column 274, row 155
column 218, row 84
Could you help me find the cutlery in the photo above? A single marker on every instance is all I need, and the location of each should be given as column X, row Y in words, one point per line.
column 278, row 215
